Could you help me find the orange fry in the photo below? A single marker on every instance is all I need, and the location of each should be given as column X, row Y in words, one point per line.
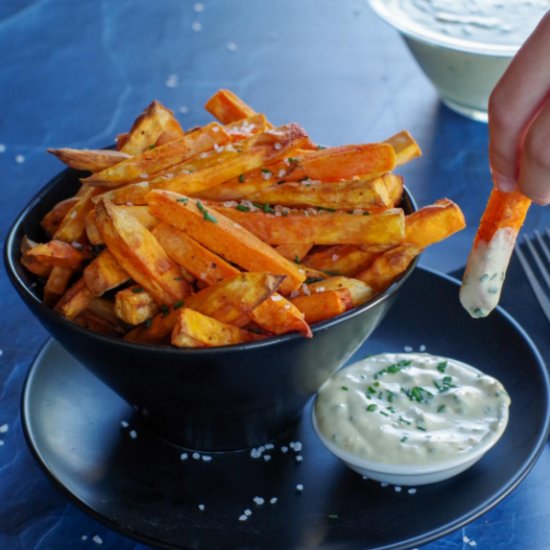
column 228, row 107
column 90, row 160
column 323, row 305
column 104, row 273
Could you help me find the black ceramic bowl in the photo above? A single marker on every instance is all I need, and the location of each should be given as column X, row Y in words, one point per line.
column 210, row 399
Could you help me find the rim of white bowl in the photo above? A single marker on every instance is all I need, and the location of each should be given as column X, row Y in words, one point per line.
column 419, row 32
column 410, row 469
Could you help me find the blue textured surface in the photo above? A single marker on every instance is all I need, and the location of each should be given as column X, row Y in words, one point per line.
column 76, row 73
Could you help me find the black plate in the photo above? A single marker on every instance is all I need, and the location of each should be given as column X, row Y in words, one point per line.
column 141, row 487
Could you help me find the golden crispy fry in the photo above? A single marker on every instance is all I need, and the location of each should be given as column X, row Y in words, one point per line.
column 73, row 226
column 57, row 253
column 384, row 228
column 433, row 223
column 90, row 160
column 148, row 127
column 229, row 301
column 388, row 266
column 104, row 273
column 139, row 254
column 394, row 188
column 75, row 300
column 57, row 283
column 195, row 330
column 366, row 194
column 52, row 220
column 227, row 107
column 134, row 305
column 223, row 236
column 405, row 147
column 343, row 163
column 346, row 259
column 359, row 291
column 324, row 305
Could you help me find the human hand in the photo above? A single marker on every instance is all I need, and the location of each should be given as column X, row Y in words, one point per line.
column 519, row 120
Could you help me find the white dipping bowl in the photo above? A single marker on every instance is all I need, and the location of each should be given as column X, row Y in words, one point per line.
column 463, row 72
column 409, row 475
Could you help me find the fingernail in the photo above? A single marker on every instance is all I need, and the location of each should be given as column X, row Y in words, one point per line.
column 504, row 184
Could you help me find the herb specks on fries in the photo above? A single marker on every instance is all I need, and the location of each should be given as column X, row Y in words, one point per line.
column 228, row 233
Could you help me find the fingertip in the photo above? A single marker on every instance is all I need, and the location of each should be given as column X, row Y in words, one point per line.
column 504, row 184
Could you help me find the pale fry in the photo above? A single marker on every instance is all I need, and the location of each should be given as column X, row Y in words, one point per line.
column 57, row 253
column 75, row 300
column 56, row 284
column 405, row 147
column 104, row 273
column 52, row 220
column 134, row 305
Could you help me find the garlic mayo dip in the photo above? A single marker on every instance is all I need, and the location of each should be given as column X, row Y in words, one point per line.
column 411, row 409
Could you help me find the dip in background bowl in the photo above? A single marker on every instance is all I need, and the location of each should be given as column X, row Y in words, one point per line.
column 463, row 47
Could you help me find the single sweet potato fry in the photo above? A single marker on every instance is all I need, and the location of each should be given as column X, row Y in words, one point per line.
column 134, row 305
column 433, row 223
column 388, row 266
column 193, row 329
column 384, row 228
column 90, row 160
column 139, row 254
column 323, row 305
column 343, row 163
column 104, row 273
column 73, row 226
column 405, row 147
column 56, row 285
column 228, row 107
column 359, row 291
column 294, row 252
column 57, row 253
column 222, row 236
column 52, row 220
column 346, row 259
column 148, row 127
column 75, row 300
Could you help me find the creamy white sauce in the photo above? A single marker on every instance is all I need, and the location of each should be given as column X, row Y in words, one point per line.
column 411, row 409
column 485, row 272
column 502, row 22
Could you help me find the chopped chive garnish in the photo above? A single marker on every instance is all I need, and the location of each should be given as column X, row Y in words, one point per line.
column 442, row 366
column 242, row 208
column 165, row 310
column 344, row 388
column 297, row 260
column 241, row 178
column 333, row 516
column 311, row 280
column 266, row 171
column 441, row 408
column 384, row 413
column 321, row 147
column 205, row 214
column 137, row 289
column 404, row 420
column 178, row 304
column 372, row 408
column 421, row 428
column 148, row 323
column 183, row 200
column 292, row 159
column 151, row 147
column 179, row 278
column 404, row 439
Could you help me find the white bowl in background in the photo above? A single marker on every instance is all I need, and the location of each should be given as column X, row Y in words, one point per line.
column 463, row 70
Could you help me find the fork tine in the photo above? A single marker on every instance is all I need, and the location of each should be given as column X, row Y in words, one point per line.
column 543, row 246
column 542, row 269
column 543, row 300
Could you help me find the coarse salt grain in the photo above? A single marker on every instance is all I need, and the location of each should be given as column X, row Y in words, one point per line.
column 84, row 537
column 267, row 458
column 248, row 512
column 320, row 289
column 273, row 500
column 133, row 434
column 172, row 81
column 124, row 423
column 184, row 456
column 97, row 539
column 269, row 446
column 299, row 487
column 196, row 456
column 258, row 501
column 1, row 352
column 287, row 306
column 411, row 491
column 2, row 148
column 184, row 110
column 196, row 26
column 408, row 349
column 206, row 458
column 231, row 46
column 20, row 159
column 1, row 442
column 201, row 507
column 334, row 257
column 299, row 458
column 242, row 517
column 4, row 428
column 276, row 297
column 422, row 347
column 284, row 449
column 199, row 7
column 278, row 146
column 282, row 173
column 297, row 446
column 397, row 488
column 472, row 543
column 465, row 539
column 383, row 484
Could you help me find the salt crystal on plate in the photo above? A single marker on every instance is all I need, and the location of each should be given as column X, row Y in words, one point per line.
column 196, row 26
column 20, row 159
column 97, row 539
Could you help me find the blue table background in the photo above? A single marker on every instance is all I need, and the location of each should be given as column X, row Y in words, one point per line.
column 76, row 73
